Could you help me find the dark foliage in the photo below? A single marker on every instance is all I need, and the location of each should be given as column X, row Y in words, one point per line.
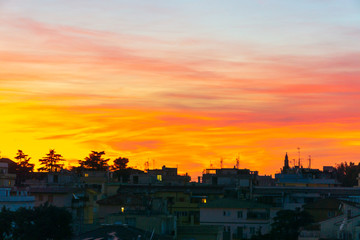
column 6, row 219
column 41, row 223
column 287, row 225
column 95, row 162
column 120, row 164
column 347, row 174
column 23, row 165
column 120, row 169
column 51, row 162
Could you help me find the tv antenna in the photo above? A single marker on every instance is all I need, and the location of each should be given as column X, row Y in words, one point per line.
column 238, row 161
column 299, row 162
column 146, row 165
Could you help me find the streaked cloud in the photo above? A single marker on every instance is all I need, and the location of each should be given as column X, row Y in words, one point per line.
column 158, row 87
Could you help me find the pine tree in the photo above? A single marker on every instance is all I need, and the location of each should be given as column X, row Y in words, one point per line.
column 95, row 161
column 51, row 162
column 23, row 165
column 120, row 164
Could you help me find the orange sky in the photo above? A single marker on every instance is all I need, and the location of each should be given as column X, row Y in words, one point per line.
column 182, row 85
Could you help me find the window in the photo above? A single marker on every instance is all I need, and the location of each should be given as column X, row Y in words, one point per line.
column 226, row 213
column 159, row 178
column 239, row 214
column 203, row 200
column 240, row 231
column 131, row 221
column 136, row 179
column 181, row 214
column 331, row 213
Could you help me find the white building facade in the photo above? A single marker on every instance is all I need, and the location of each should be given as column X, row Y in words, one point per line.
column 240, row 219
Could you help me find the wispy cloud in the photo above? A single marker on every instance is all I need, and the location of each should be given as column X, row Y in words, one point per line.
column 187, row 99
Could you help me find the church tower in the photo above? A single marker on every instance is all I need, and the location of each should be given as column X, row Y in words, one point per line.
column 286, row 162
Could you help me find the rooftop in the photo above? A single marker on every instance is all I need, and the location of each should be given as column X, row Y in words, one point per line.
column 234, row 203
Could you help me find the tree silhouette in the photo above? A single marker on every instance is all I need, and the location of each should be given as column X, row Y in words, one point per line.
column 95, row 161
column 39, row 223
column 6, row 219
column 23, row 165
column 120, row 164
column 347, row 174
column 120, row 169
column 51, row 162
column 287, row 224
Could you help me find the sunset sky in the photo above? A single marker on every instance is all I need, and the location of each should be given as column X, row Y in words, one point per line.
column 182, row 83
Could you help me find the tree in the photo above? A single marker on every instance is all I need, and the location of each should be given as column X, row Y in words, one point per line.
column 120, row 164
column 120, row 169
column 287, row 224
column 41, row 223
column 95, row 162
column 6, row 219
column 51, row 162
column 23, row 165
column 347, row 173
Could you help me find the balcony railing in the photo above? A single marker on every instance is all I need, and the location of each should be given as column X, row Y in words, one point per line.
column 17, row 198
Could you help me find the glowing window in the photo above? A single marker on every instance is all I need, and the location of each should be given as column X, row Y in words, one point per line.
column 86, row 174
column 159, row 178
column 122, row 209
column 203, row 200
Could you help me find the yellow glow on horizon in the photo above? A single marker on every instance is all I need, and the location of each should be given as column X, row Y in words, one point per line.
column 177, row 102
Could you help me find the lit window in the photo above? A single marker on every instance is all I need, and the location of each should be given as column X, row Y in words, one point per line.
column 122, row 209
column 86, row 174
column 203, row 200
column 159, row 178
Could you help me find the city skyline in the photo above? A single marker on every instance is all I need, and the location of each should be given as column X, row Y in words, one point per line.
column 184, row 83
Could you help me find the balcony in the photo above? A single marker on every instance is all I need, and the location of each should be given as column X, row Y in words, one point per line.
column 17, row 198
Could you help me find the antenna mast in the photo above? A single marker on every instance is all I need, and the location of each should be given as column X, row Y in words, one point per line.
column 238, row 161
column 299, row 163
column 221, row 163
column 309, row 161
column 146, row 165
